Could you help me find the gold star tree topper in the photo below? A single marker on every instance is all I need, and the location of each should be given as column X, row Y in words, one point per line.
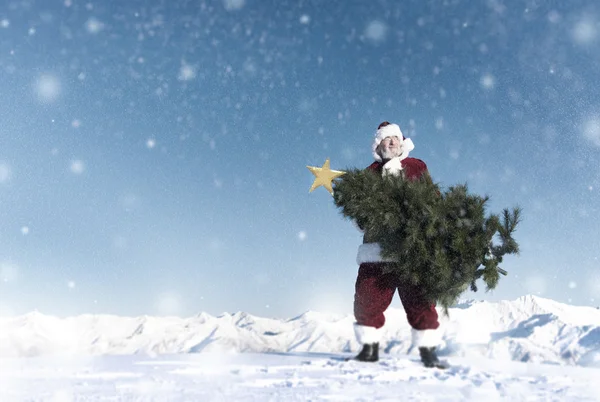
column 324, row 176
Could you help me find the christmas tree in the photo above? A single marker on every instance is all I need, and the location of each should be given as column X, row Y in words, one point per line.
column 440, row 240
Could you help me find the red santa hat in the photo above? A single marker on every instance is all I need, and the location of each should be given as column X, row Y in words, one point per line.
column 387, row 129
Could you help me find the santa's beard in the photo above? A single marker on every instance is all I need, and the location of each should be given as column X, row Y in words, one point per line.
column 387, row 154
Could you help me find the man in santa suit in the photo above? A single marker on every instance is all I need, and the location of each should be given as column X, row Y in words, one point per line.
column 374, row 288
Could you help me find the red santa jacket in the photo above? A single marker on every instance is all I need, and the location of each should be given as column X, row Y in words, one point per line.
column 413, row 168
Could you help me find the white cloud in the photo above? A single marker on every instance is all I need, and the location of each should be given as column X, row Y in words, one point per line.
column 376, row 31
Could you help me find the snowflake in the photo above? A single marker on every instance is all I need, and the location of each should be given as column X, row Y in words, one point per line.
column 584, row 32
column 488, row 81
column 94, row 26
column 77, row 166
column 47, row 88
column 186, row 73
column 231, row 5
column 591, row 130
column 376, row 31
column 5, row 173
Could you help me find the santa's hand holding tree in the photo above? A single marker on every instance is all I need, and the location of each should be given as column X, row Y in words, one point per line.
column 427, row 245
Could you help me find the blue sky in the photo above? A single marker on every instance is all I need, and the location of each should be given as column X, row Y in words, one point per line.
column 153, row 153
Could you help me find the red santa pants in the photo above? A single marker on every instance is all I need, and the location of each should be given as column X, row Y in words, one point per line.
column 374, row 294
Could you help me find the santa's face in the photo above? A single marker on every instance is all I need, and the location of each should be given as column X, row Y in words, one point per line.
column 390, row 147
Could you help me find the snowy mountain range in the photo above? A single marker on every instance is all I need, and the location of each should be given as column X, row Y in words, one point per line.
column 528, row 329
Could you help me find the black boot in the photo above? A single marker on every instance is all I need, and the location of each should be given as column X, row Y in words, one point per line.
column 369, row 353
column 430, row 359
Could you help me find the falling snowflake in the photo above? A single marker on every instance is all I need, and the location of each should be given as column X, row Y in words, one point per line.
column 572, row 285
column 94, row 26
column 186, row 73
column 591, row 130
column 553, row 16
column 4, row 23
column 151, row 143
column 71, row 284
column 5, row 173
column 439, row 123
column 376, row 31
column 47, row 88
column 302, row 235
column 77, row 166
column 25, row 230
column 232, row 5
column 76, row 123
column 584, row 32
column 488, row 81
column 304, row 19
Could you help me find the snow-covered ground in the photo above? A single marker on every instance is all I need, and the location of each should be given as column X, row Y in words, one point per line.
column 527, row 349
column 288, row 377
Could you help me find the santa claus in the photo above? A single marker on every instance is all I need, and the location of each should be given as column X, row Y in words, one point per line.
column 375, row 286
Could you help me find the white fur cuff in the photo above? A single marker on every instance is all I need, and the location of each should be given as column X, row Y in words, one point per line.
column 369, row 252
column 366, row 334
column 426, row 337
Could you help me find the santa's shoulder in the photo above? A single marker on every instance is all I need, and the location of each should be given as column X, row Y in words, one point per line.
column 414, row 162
